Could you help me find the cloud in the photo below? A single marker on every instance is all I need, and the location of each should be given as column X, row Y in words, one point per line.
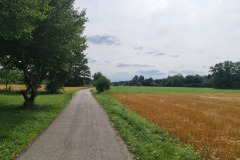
column 200, row 33
column 104, row 39
column 138, row 48
column 152, row 72
column 90, row 60
column 159, row 54
column 189, row 72
column 185, row 72
column 120, row 76
column 155, row 53
column 174, row 56
column 174, row 72
column 133, row 65
column 150, row 52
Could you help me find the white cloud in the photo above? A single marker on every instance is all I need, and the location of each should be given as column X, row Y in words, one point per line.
column 182, row 35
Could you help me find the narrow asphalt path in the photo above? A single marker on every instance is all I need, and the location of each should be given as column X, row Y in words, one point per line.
column 81, row 132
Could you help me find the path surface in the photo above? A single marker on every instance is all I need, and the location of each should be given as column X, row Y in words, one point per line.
column 81, row 132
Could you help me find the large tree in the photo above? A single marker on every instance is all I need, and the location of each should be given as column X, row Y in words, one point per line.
column 223, row 74
column 80, row 72
column 45, row 45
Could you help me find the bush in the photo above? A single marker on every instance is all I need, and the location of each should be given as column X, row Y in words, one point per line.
column 102, row 84
column 54, row 87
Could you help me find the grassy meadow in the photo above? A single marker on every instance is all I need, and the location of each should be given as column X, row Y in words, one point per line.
column 207, row 119
column 19, row 126
column 169, row 90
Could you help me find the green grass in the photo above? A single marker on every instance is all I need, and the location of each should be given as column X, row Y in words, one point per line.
column 145, row 140
column 169, row 90
column 19, row 127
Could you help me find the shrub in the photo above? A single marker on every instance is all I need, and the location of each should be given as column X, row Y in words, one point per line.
column 102, row 84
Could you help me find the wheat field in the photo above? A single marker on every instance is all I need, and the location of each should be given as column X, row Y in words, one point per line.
column 209, row 122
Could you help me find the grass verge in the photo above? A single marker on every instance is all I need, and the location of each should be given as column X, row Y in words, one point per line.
column 145, row 140
column 19, row 127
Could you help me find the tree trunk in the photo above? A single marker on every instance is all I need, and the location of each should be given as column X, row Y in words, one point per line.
column 29, row 100
column 6, row 79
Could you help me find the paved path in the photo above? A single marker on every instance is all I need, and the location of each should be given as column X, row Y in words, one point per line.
column 81, row 132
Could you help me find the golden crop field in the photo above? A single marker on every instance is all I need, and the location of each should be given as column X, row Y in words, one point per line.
column 209, row 122
column 17, row 87
column 14, row 87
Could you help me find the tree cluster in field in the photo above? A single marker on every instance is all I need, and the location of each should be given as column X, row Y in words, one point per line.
column 44, row 41
column 223, row 75
column 100, row 82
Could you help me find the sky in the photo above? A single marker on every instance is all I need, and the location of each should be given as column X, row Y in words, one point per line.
column 160, row 38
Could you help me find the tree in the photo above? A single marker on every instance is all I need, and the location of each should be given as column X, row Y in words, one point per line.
column 96, row 76
column 148, row 82
column 62, row 43
column 80, row 72
column 223, row 74
column 175, row 81
column 236, row 75
column 19, row 18
column 101, row 82
column 135, row 81
column 193, row 81
column 46, row 47
column 5, row 69
column 14, row 76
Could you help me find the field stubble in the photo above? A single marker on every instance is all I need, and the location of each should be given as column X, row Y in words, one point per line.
column 210, row 122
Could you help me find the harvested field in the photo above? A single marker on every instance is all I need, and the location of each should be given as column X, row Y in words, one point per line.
column 209, row 122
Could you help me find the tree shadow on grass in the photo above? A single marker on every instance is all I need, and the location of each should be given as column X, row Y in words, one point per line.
column 10, row 93
column 15, row 117
column 19, row 126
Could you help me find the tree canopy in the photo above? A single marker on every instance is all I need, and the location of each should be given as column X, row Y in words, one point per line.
column 101, row 82
column 226, row 75
column 44, row 39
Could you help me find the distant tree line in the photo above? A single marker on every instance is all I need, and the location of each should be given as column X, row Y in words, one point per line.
column 223, row 75
column 171, row 81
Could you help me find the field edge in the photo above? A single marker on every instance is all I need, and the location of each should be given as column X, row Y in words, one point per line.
column 144, row 139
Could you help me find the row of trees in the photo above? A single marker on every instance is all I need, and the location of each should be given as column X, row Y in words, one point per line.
column 171, row 81
column 223, row 75
column 44, row 40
